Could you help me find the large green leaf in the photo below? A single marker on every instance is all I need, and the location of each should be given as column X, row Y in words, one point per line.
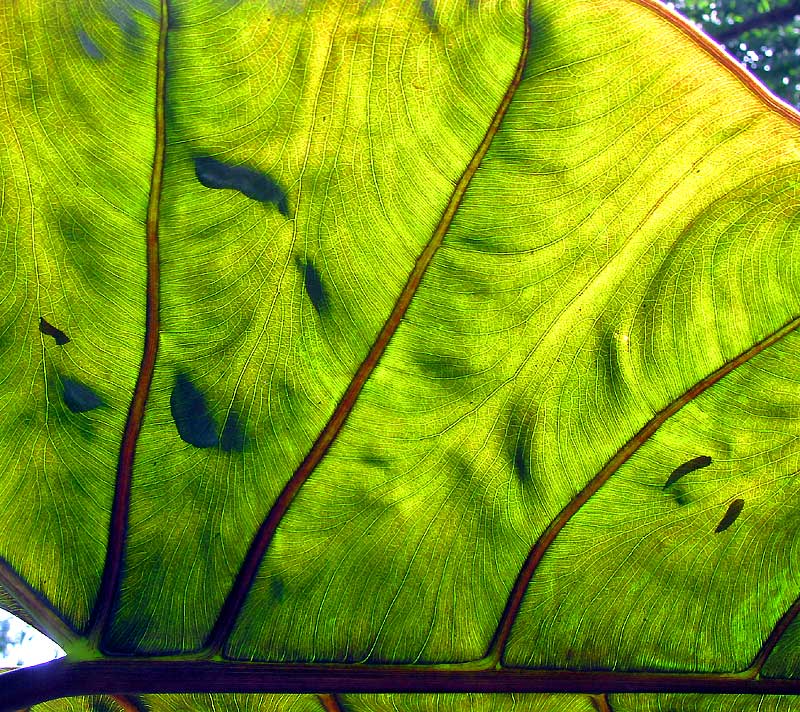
column 445, row 296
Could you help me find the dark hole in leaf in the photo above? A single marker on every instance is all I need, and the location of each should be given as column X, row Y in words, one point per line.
column 78, row 397
column 232, row 434
column 50, row 330
column 313, row 284
column 734, row 510
column 695, row 463
column 89, row 45
column 254, row 184
column 191, row 415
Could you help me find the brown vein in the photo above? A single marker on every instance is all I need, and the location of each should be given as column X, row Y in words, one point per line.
column 24, row 687
column 710, row 47
column 330, row 703
column 601, row 703
column 246, row 575
column 109, row 584
column 754, row 669
column 497, row 647
column 35, row 608
column 129, row 703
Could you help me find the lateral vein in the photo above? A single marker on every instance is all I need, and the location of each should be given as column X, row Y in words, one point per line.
column 247, row 573
column 115, row 551
column 497, row 647
column 40, row 611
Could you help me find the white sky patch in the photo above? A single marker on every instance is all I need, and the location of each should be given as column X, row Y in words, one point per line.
column 33, row 647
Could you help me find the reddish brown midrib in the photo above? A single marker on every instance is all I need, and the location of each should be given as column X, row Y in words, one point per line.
column 246, row 575
column 115, row 551
column 60, row 678
column 497, row 647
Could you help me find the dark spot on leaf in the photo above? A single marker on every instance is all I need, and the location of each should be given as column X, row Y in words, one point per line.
column 50, row 330
column 444, row 367
column 377, row 461
column 695, row 463
column 428, row 12
column 277, row 588
column 518, row 442
column 191, row 415
column 89, row 45
column 734, row 510
column 521, row 465
column 254, row 184
column 122, row 18
column 232, row 434
column 313, row 284
column 608, row 361
column 146, row 8
column 78, row 397
column 679, row 492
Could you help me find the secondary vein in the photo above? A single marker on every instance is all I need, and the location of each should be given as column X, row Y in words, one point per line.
column 40, row 611
column 115, row 551
column 776, row 634
column 497, row 647
column 247, row 573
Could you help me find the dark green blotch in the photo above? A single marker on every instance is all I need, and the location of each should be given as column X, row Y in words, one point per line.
column 696, row 463
column 734, row 510
column 313, row 284
column 78, row 397
column 252, row 183
column 521, row 463
column 50, row 330
column 146, row 8
column 232, row 434
column 376, row 461
column 191, row 415
column 277, row 589
column 428, row 12
column 680, row 493
column 89, row 45
column 122, row 18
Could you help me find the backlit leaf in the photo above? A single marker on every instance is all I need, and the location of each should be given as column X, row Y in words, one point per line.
column 450, row 335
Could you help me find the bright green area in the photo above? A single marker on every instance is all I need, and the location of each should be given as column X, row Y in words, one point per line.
column 76, row 141
column 352, row 703
column 703, row 703
column 439, row 703
column 632, row 229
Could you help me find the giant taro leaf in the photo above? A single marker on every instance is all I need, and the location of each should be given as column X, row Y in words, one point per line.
column 447, row 345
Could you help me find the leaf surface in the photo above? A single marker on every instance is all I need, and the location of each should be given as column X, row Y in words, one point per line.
column 468, row 335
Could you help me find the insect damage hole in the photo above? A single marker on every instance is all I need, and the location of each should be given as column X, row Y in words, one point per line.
column 250, row 182
column 49, row 330
column 695, row 463
column 734, row 510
